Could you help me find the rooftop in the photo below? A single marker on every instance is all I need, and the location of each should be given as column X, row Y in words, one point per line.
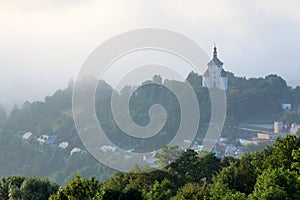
column 215, row 60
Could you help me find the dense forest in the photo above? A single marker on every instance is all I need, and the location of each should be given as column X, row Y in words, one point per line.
column 248, row 100
column 272, row 174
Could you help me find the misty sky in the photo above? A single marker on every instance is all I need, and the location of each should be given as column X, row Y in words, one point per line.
column 44, row 43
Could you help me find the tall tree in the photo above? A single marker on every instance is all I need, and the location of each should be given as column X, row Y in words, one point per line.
column 276, row 184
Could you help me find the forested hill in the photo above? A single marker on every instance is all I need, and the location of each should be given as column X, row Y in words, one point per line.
column 248, row 100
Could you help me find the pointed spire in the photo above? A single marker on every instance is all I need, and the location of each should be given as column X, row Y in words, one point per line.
column 215, row 50
column 215, row 60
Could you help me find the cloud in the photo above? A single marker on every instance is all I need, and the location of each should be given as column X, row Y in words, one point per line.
column 49, row 40
column 281, row 9
column 31, row 5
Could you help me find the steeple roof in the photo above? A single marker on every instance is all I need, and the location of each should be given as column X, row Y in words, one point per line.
column 215, row 60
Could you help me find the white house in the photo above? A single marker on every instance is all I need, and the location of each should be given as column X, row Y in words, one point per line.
column 215, row 76
column 286, row 106
column 63, row 145
column 27, row 136
column 43, row 138
column 75, row 150
column 47, row 139
column 294, row 129
column 108, row 148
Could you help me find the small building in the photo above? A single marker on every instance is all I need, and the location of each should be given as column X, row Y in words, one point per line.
column 42, row 139
column 75, row 150
column 269, row 136
column 63, row 145
column 246, row 142
column 255, row 141
column 108, row 148
column 222, row 140
column 127, row 156
column 277, row 127
column 198, row 148
column 46, row 139
column 51, row 139
column 27, row 136
column 294, row 129
column 130, row 150
column 286, row 106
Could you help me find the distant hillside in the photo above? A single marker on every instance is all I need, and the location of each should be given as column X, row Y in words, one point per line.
column 248, row 100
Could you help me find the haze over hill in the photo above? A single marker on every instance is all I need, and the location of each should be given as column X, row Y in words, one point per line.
column 44, row 44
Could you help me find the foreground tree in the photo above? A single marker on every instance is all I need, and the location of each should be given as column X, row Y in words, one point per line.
column 78, row 188
column 193, row 191
column 222, row 191
column 277, row 184
column 9, row 185
column 239, row 175
column 31, row 188
column 281, row 156
column 167, row 155
column 36, row 188
column 159, row 191
column 296, row 156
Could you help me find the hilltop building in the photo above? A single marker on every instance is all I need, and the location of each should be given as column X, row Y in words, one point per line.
column 215, row 76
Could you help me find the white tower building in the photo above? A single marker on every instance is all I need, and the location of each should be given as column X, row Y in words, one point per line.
column 215, row 76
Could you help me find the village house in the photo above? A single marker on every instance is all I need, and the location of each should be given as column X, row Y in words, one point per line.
column 42, row 139
column 108, row 148
column 286, row 106
column 63, row 145
column 46, row 139
column 294, row 128
column 278, row 132
column 27, row 136
column 75, row 150
column 266, row 136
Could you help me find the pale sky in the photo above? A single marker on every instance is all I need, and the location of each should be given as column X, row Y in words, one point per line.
column 43, row 43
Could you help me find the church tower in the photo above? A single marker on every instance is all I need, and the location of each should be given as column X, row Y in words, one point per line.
column 215, row 76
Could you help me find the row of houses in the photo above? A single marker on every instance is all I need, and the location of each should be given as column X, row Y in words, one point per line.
column 53, row 140
column 49, row 140
column 148, row 158
column 265, row 134
column 222, row 148
column 269, row 136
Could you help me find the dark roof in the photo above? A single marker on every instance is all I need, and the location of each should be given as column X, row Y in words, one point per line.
column 215, row 60
column 206, row 73
column 223, row 73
